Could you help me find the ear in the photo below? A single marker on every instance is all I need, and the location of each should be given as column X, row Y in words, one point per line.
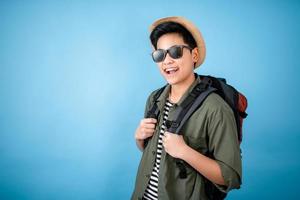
column 195, row 54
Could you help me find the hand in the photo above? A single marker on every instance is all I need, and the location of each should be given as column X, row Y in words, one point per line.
column 174, row 144
column 145, row 129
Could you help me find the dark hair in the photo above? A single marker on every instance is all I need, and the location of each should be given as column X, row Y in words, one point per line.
column 172, row 27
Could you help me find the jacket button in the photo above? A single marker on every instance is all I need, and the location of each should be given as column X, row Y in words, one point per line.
column 140, row 198
column 153, row 152
column 148, row 175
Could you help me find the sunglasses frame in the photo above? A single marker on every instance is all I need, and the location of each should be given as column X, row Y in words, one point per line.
column 166, row 51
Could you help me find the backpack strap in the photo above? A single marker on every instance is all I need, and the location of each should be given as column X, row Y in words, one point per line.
column 154, row 112
column 186, row 109
column 192, row 102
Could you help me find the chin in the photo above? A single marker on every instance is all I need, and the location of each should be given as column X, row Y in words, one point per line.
column 172, row 81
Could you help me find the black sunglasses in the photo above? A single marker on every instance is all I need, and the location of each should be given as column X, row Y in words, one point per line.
column 175, row 52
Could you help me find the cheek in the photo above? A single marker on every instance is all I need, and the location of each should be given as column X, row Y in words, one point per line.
column 160, row 67
column 186, row 65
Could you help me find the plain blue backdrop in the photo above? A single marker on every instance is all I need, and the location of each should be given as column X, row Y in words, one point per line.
column 75, row 75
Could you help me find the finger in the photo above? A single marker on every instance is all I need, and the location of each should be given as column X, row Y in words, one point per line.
column 149, row 120
column 144, row 135
column 163, row 141
column 152, row 126
column 167, row 134
column 147, row 130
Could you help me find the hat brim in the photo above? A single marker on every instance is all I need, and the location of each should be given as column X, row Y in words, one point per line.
column 192, row 29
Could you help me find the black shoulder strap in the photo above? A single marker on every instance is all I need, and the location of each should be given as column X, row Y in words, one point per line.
column 190, row 105
column 193, row 101
column 153, row 112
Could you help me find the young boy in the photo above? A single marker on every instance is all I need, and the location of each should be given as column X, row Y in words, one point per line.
column 208, row 144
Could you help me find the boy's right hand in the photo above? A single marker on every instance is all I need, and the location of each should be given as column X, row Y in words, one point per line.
column 145, row 129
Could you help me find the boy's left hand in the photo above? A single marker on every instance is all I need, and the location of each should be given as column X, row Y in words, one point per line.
column 173, row 144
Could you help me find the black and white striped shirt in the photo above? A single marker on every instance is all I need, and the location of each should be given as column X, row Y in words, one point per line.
column 151, row 192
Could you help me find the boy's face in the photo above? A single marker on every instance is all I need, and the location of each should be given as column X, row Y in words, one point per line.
column 176, row 71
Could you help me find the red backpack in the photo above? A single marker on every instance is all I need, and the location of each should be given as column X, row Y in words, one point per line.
column 208, row 84
column 236, row 100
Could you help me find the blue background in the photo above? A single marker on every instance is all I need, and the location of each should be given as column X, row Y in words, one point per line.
column 75, row 75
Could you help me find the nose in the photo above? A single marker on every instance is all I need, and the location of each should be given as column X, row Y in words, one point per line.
column 168, row 60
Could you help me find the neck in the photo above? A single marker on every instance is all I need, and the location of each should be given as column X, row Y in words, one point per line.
column 177, row 90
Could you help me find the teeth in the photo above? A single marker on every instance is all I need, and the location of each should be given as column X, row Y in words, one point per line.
column 170, row 69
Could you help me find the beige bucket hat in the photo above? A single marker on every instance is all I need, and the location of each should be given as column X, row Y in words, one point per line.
column 191, row 28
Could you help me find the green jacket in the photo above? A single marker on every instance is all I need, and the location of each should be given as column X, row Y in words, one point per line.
column 211, row 130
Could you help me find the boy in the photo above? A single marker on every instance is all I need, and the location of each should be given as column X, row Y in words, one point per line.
column 208, row 144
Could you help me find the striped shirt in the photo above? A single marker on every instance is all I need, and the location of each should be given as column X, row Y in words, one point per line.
column 151, row 192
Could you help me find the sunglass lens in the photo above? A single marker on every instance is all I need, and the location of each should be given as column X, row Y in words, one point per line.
column 175, row 52
column 158, row 55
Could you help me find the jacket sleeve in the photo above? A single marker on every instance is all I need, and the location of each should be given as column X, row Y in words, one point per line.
column 224, row 145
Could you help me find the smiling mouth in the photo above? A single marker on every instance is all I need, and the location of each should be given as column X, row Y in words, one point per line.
column 170, row 71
